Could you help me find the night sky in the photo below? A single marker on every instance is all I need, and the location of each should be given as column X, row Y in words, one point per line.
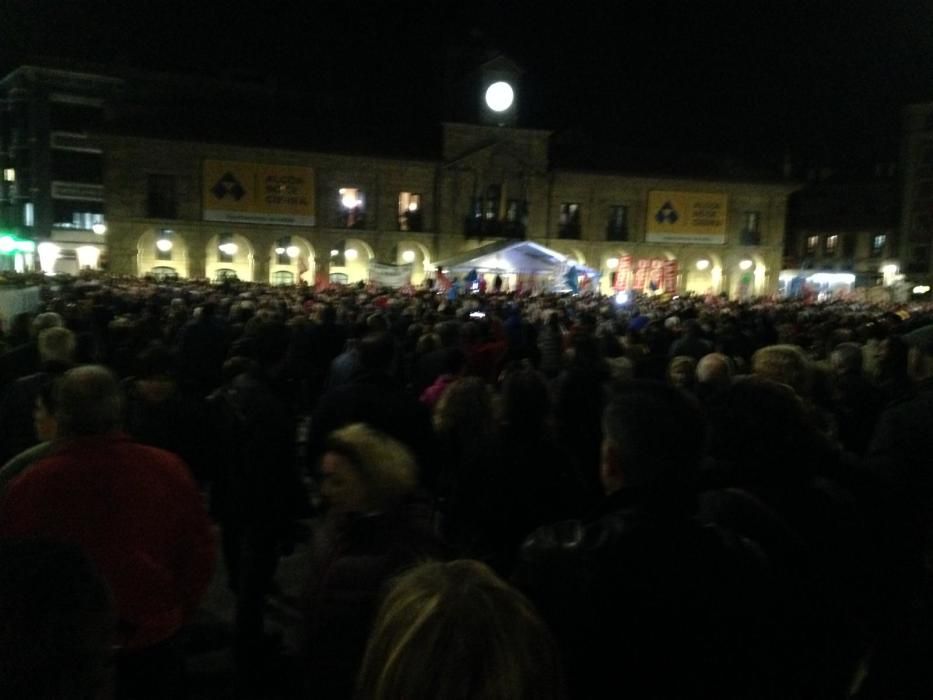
column 754, row 79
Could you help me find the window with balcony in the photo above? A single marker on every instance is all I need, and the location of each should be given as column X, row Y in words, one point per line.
column 77, row 214
column 160, row 197
column 751, row 234
column 569, row 221
column 352, row 207
column 617, row 227
column 516, row 218
column 848, row 246
column 409, row 212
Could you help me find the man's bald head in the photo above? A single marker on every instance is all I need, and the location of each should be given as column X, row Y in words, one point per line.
column 89, row 402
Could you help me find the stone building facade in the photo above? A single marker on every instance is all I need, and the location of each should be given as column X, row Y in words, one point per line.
column 181, row 206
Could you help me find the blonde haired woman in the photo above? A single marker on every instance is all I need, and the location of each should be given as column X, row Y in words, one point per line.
column 452, row 631
column 375, row 527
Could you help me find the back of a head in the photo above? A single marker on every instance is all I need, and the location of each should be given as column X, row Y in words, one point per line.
column 49, row 319
column 387, row 467
column 785, row 364
column 465, row 408
column 847, row 358
column 714, row 369
column 657, row 431
column 377, row 351
column 762, row 428
column 56, row 346
column 89, row 402
column 56, row 623
column 455, row 631
column 526, row 401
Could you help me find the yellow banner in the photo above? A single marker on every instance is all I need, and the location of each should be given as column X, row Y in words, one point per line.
column 686, row 217
column 258, row 193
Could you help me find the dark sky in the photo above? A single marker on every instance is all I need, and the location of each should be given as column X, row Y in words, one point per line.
column 752, row 78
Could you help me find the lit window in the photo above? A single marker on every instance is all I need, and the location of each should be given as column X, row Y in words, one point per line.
column 813, row 243
column 29, row 214
column 832, row 244
column 409, row 211
column 878, row 243
column 226, row 249
column 352, row 207
column 9, row 174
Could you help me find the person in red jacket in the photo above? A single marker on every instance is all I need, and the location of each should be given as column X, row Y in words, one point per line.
column 138, row 515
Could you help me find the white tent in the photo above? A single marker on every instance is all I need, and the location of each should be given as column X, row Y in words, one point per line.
column 516, row 258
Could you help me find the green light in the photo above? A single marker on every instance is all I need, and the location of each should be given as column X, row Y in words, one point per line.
column 10, row 244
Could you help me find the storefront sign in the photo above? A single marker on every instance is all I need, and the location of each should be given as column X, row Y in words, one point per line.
column 686, row 217
column 258, row 193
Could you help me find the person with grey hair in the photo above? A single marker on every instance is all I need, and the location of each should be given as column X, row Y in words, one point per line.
column 135, row 511
column 24, row 359
column 56, row 347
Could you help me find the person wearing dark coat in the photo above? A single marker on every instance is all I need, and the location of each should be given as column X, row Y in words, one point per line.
column 373, row 396
column 641, row 597
column 56, row 352
column 376, row 526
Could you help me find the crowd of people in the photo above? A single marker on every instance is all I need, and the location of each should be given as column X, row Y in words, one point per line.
column 499, row 495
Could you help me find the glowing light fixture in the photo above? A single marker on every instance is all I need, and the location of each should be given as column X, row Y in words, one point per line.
column 228, row 248
column 7, row 244
column 921, row 289
column 280, row 250
column 164, row 244
column 99, row 228
column 292, row 251
column 622, row 297
column 704, row 264
column 334, row 252
column 889, row 269
column 612, row 263
column 348, row 197
column 351, row 254
column 408, row 256
column 88, row 255
column 746, row 265
column 499, row 96
column 48, row 254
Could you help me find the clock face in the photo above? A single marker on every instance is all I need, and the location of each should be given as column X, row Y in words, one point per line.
column 499, row 96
